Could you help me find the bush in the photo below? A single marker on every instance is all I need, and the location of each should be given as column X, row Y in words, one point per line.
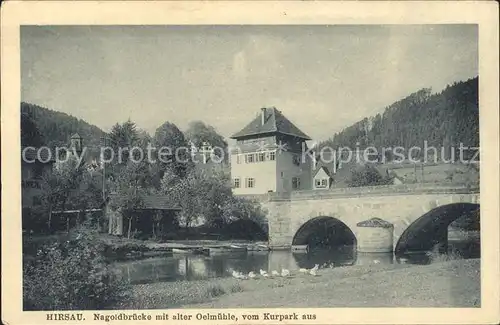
column 367, row 176
column 70, row 275
column 215, row 291
column 437, row 257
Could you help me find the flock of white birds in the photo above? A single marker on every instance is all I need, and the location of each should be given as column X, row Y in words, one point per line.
column 274, row 274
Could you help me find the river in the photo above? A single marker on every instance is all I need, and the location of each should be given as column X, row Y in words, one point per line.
column 197, row 267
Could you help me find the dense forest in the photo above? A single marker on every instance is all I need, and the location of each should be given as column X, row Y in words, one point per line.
column 443, row 119
column 57, row 128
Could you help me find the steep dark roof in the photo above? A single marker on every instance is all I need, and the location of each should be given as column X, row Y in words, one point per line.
column 154, row 202
column 275, row 122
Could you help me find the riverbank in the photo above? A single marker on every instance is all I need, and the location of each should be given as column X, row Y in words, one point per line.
column 121, row 248
column 444, row 284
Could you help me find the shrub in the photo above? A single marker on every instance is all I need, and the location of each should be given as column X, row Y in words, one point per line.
column 215, row 291
column 236, row 288
column 71, row 274
column 436, row 257
column 367, row 176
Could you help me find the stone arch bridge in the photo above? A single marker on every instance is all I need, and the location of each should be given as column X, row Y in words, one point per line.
column 420, row 213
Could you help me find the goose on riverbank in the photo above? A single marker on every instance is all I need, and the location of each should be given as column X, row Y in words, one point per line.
column 302, row 270
column 285, row 273
column 275, row 273
column 252, row 275
column 264, row 273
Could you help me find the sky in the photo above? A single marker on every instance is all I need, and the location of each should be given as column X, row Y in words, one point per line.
column 322, row 77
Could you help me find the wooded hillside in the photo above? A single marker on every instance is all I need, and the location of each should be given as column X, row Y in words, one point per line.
column 443, row 119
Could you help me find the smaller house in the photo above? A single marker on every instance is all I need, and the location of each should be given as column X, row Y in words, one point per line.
column 35, row 165
column 322, row 179
column 156, row 215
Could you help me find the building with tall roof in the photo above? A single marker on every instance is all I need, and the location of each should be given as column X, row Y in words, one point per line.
column 268, row 156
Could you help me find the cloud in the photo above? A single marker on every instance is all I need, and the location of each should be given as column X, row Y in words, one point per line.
column 259, row 56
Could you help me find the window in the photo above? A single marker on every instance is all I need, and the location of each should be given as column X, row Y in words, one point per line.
column 296, row 160
column 321, row 183
column 250, row 158
column 236, row 182
column 250, row 182
column 295, row 183
column 238, row 159
column 272, row 155
column 261, row 156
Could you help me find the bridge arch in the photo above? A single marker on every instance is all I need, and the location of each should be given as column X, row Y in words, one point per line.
column 431, row 228
column 324, row 231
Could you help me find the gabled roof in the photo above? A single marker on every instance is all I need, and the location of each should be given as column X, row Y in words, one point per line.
column 325, row 169
column 275, row 122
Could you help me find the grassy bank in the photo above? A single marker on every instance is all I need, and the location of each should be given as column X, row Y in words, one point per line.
column 442, row 284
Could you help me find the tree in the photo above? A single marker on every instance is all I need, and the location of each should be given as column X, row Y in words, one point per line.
column 200, row 195
column 30, row 133
column 130, row 187
column 124, row 136
column 172, row 149
column 72, row 274
column 58, row 127
column 239, row 208
column 62, row 189
column 450, row 117
column 199, row 133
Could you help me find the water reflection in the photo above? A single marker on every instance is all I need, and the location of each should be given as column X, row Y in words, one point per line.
column 202, row 267
column 374, row 258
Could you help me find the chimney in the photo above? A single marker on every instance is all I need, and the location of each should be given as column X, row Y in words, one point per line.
column 263, row 115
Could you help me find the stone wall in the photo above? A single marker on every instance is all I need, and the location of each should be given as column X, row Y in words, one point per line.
column 400, row 205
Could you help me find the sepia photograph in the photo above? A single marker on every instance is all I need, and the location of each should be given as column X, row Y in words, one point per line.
column 206, row 167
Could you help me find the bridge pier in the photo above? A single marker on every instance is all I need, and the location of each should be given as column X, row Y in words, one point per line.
column 402, row 206
column 375, row 236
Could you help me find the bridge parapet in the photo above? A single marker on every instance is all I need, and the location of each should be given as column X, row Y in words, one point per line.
column 384, row 190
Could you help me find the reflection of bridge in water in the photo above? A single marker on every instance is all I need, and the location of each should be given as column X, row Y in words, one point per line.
column 195, row 267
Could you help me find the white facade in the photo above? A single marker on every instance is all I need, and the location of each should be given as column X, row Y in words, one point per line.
column 269, row 171
column 321, row 180
column 254, row 172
